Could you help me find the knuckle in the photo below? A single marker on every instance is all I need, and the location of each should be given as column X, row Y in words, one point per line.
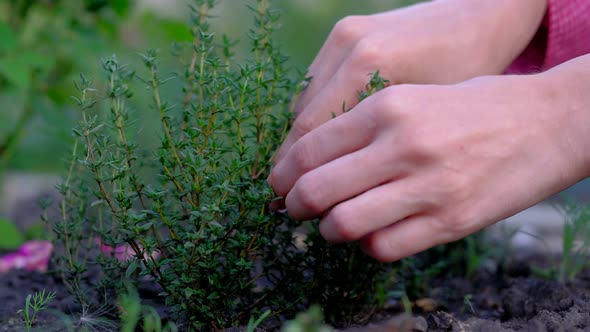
column 303, row 125
column 368, row 54
column 449, row 226
column 390, row 106
column 310, row 195
column 377, row 248
column 342, row 224
column 417, row 147
column 303, row 156
column 464, row 222
column 384, row 109
column 412, row 146
column 348, row 29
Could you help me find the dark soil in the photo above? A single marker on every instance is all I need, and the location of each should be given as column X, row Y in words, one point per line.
column 64, row 314
column 512, row 299
column 14, row 288
column 508, row 298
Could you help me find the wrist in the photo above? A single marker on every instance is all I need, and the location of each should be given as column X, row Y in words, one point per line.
column 500, row 29
column 567, row 89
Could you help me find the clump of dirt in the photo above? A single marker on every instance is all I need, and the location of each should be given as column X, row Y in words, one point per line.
column 511, row 300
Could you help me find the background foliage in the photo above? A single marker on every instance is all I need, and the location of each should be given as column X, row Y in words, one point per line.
column 44, row 44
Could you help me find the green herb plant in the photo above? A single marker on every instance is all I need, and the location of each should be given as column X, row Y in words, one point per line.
column 34, row 304
column 191, row 214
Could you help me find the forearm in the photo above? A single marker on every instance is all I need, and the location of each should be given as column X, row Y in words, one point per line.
column 497, row 31
column 464, row 38
column 567, row 88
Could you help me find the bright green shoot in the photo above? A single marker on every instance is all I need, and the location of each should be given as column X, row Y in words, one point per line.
column 253, row 324
column 576, row 240
column 35, row 304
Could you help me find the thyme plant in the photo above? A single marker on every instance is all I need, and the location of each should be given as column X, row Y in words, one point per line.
column 191, row 215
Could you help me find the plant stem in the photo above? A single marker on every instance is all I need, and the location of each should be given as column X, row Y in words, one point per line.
column 155, row 85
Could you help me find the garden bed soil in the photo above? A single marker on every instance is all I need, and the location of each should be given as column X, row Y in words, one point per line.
column 505, row 298
column 512, row 299
column 509, row 299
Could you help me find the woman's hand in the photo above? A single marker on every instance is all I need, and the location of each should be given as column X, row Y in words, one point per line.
column 445, row 41
column 414, row 166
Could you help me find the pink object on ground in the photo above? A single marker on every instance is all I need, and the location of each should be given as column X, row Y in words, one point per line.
column 121, row 253
column 31, row 256
column 564, row 35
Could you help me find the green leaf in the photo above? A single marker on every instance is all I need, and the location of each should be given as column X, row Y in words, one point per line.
column 36, row 232
column 175, row 30
column 16, row 71
column 8, row 39
column 10, row 236
column 36, row 60
column 168, row 29
column 133, row 266
column 121, row 7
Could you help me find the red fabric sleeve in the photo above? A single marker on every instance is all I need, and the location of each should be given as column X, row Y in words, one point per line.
column 564, row 35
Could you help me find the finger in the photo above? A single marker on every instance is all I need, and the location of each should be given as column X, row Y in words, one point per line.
column 371, row 211
column 341, row 41
column 406, row 238
column 342, row 88
column 339, row 180
column 330, row 141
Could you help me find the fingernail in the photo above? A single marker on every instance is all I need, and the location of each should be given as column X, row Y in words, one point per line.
column 364, row 246
column 278, row 205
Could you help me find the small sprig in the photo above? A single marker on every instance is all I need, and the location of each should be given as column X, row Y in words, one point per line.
column 84, row 86
column 376, row 83
column 35, row 304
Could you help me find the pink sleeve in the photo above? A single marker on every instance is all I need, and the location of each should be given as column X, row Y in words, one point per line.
column 564, row 35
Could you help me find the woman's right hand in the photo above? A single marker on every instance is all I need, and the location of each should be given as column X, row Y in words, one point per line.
column 445, row 41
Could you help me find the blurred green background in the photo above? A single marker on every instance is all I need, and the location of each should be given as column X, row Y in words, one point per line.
column 45, row 44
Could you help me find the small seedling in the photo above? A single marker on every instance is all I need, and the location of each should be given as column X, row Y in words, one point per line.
column 310, row 321
column 576, row 241
column 35, row 304
column 575, row 244
column 375, row 84
column 467, row 304
column 254, row 323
